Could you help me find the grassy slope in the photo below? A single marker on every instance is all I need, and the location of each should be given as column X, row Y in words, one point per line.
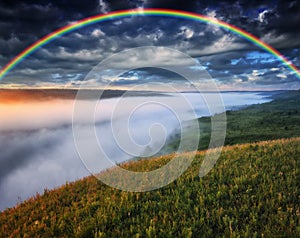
column 277, row 119
column 268, row 121
column 253, row 190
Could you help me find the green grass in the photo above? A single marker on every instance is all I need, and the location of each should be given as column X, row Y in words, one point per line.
column 277, row 119
column 252, row 191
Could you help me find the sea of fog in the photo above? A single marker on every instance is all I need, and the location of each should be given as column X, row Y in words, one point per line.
column 37, row 148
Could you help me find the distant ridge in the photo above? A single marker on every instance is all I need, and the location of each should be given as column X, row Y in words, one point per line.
column 16, row 95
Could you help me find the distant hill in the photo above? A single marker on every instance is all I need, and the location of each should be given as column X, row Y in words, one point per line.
column 279, row 118
column 27, row 95
column 253, row 191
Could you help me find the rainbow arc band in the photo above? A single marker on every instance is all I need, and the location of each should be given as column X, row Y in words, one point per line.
column 147, row 12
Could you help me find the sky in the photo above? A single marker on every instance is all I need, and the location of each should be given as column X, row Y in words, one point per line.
column 231, row 61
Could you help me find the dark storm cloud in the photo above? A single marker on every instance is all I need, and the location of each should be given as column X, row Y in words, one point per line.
column 71, row 56
column 30, row 20
column 147, row 76
column 173, row 4
column 255, row 67
column 273, row 19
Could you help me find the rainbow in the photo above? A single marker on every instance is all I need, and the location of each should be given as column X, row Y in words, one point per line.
column 145, row 12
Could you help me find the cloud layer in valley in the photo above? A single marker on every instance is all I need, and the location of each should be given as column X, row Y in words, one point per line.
column 37, row 144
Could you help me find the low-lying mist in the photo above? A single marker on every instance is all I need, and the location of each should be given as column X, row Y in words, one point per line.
column 37, row 148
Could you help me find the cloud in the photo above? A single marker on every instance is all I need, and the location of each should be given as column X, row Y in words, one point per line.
column 34, row 160
column 78, row 52
column 103, row 6
column 97, row 33
column 186, row 32
column 225, row 43
column 250, row 68
column 37, row 144
column 262, row 16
